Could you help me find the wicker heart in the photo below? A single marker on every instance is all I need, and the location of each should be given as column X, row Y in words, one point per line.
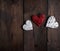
column 51, row 22
column 28, row 25
column 38, row 20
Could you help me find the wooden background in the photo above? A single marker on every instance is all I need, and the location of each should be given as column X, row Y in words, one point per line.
column 14, row 13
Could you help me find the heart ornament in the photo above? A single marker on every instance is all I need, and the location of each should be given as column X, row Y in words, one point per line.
column 38, row 20
column 51, row 22
column 28, row 25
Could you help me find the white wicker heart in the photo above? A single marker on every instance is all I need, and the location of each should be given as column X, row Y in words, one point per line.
column 51, row 22
column 28, row 25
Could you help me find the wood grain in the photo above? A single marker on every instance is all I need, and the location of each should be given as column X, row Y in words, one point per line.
column 40, row 33
column 33, row 7
column 54, row 34
column 12, row 18
column 11, row 33
column 28, row 35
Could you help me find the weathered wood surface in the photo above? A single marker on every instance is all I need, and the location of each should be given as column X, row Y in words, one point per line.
column 14, row 13
column 54, row 34
column 11, row 19
column 40, row 34
column 28, row 35
column 38, row 37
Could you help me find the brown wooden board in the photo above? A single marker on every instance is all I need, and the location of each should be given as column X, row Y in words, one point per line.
column 28, row 35
column 11, row 19
column 54, row 34
column 39, row 34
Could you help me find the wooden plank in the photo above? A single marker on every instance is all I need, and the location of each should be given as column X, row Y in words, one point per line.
column 5, row 24
column 34, row 7
column 11, row 33
column 28, row 35
column 40, row 33
column 28, row 41
column 54, row 34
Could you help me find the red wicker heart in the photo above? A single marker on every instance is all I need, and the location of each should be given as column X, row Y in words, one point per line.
column 38, row 20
